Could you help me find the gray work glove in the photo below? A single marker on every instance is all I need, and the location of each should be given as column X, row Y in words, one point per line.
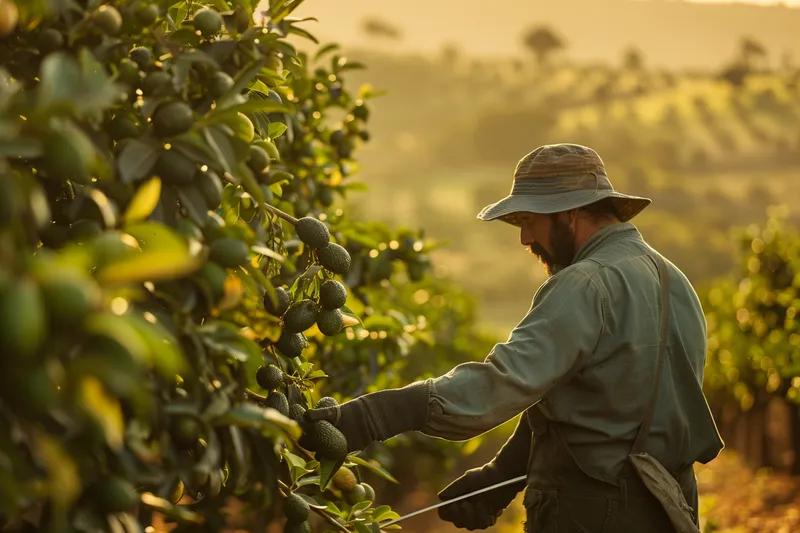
column 378, row 416
column 481, row 511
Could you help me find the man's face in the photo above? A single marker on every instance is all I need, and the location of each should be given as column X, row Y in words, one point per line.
column 549, row 238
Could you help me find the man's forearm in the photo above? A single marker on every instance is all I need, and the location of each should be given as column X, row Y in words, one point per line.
column 378, row 416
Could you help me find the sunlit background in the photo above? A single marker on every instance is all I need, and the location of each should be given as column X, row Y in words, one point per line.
column 693, row 104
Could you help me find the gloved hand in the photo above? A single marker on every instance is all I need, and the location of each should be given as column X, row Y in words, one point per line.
column 378, row 415
column 481, row 511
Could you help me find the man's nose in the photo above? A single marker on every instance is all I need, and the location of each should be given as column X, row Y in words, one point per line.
column 525, row 238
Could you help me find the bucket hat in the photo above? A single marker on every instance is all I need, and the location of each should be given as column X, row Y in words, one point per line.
column 560, row 177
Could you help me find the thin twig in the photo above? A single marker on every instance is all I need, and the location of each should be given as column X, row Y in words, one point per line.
column 285, row 216
column 250, row 395
column 272, row 209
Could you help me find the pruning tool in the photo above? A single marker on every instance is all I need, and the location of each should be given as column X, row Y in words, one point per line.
column 462, row 497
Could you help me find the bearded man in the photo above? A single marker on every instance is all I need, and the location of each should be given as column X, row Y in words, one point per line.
column 606, row 368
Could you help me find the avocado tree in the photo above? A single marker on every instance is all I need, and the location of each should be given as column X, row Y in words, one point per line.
column 178, row 279
column 754, row 337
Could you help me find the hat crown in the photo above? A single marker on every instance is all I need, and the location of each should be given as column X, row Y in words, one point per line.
column 560, row 160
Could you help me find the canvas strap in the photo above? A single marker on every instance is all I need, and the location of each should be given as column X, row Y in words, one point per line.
column 644, row 429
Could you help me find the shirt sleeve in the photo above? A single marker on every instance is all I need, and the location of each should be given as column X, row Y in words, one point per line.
column 561, row 329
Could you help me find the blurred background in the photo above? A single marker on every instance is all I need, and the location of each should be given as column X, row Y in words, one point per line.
column 693, row 104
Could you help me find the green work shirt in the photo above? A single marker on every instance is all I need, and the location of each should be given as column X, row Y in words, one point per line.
column 587, row 350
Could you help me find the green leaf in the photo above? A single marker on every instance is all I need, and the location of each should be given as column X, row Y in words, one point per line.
column 279, row 176
column 21, row 147
column 348, row 313
column 165, row 255
column 184, row 62
column 240, row 82
column 360, row 506
column 303, row 33
column 311, row 501
column 144, row 201
column 174, row 409
column 174, row 512
column 239, row 464
column 357, row 186
column 107, row 210
column 60, row 467
column 384, row 513
column 282, row 9
column 164, row 352
column 136, row 160
column 372, row 468
column 60, row 78
column 259, row 87
column 331, row 508
column 276, row 129
column 195, row 204
column 293, row 459
column 327, row 469
column 221, row 5
column 97, row 90
column 219, row 405
column 351, row 65
column 307, row 480
column 297, row 465
column 105, row 409
column 270, row 421
column 326, row 49
column 250, row 184
column 250, row 106
column 268, row 252
column 219, row 142
column 236, row 349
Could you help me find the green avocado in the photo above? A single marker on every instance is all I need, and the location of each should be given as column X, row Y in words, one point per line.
column 313, row 232
column 300, row 316
column 334, row 258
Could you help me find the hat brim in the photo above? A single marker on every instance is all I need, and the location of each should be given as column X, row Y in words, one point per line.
column 627, row 206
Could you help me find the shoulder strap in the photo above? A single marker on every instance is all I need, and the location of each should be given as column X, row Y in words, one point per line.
column 644, row 429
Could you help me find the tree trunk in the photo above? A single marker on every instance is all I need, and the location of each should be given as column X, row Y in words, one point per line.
column 794, row 425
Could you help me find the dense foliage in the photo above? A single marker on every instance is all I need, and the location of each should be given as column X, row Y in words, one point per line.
column 754, row 337
column 178, row 278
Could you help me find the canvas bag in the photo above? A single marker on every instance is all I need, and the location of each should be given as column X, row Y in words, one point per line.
column 652, row 473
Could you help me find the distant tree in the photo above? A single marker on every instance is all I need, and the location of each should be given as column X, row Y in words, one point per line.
column 633, row 59
column 375, row 27
column 450, row 54
column 542, row 42
column 752, row 53
column 735, row 74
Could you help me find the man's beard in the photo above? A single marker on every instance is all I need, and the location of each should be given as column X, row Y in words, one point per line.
column 561, row 239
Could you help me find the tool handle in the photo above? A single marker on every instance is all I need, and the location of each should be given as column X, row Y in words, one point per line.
column 457, row 498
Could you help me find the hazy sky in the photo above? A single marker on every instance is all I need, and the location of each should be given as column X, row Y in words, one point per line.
column 767, row 2
column 670, row 35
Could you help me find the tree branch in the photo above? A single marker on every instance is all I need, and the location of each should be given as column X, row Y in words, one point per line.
column 272, row 209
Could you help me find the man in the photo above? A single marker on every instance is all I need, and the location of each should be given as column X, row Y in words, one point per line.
column 581, row 366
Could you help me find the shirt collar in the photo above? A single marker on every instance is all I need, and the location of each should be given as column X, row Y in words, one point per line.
column 600, row 237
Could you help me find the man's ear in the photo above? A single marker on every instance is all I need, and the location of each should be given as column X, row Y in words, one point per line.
column 573, row 215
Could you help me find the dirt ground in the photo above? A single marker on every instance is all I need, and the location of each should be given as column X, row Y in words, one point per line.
column 737, row 499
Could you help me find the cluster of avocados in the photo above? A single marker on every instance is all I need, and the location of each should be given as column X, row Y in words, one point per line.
column 321, row 437
column 299, row 316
